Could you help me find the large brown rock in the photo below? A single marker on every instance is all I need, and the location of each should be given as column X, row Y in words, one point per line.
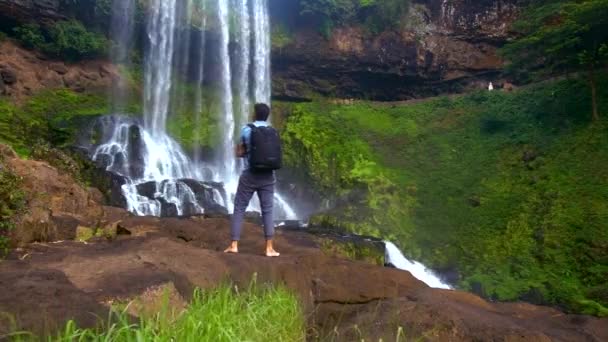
column 56, row 203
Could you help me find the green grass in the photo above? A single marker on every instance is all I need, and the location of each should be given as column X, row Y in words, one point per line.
column 506, row 188
column 258, row 313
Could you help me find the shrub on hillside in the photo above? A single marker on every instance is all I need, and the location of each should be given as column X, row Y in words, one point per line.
column 30, row 36
column 65, row 39
column 12, row 201
column 73, row 41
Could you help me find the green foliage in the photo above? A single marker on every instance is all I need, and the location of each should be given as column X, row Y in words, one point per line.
column 30, row 36
column 319, row 140
column 71, row 40
column 280, row 36
column 12, row 202
column 506, row 188
column 562, row 36
column 53, row 116
column 376, row 15
column 66, row 39
column 224, row 314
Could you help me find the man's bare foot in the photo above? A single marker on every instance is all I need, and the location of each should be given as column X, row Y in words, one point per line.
column 234, row 248
column 270, row 252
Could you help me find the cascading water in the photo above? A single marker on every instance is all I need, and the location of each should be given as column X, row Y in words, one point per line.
column 418, row 270
column 261, row 60
column 160, row 178
column 227, row 165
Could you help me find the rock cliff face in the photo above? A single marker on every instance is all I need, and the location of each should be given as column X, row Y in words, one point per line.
column 25, row 72
column 446, row 45
column 26, row 10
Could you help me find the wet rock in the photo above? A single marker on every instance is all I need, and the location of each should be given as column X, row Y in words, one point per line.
column 115, row 183
column 9, row 76
column 147, row 189
column 136, row 153
column 102, row 161
column 167, row 209
column 206, row 194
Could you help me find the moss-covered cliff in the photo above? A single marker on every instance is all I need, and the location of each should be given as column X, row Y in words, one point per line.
column 503, row 191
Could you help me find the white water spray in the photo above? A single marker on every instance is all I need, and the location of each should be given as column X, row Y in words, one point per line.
column 418, row 270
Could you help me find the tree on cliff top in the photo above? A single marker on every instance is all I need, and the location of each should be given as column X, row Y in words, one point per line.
column 559, row 36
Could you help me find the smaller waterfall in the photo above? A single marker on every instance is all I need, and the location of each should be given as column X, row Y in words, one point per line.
column 418, row 270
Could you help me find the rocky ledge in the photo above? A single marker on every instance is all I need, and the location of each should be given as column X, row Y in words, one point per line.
column 46, row 281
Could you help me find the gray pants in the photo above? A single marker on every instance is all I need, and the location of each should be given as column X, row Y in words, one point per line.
column 250, row 182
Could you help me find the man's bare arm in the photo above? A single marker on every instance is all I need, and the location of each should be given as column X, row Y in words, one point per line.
column 240, row 150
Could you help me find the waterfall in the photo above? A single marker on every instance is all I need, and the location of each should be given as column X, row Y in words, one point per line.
column 159, row 65
column 227, row 165
column 262, row 49
column 418, row 270
column 244, row 60
column 121, row 32
column 161, row 179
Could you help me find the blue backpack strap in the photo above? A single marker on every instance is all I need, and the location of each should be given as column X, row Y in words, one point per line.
column 252, row 127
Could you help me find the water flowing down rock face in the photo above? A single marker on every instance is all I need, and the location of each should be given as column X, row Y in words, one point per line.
column 161, row 178
column 395, row 258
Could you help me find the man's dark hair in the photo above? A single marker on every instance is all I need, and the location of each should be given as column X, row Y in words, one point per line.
column 262, row 111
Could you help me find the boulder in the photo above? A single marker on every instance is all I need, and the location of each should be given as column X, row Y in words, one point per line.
column 9, row 76
column 136, row 152
column 59, row 68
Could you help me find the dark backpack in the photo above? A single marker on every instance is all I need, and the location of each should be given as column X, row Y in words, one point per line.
column 265, row 152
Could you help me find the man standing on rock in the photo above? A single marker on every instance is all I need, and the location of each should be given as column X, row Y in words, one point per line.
column 261, row 148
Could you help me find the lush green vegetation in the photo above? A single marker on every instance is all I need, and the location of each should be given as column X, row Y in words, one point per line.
column 562, row 36
column 12, row 202
column 52, row 116
column 68, row 39
column 507, row 188
column 375, row 15
column 224, row 314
